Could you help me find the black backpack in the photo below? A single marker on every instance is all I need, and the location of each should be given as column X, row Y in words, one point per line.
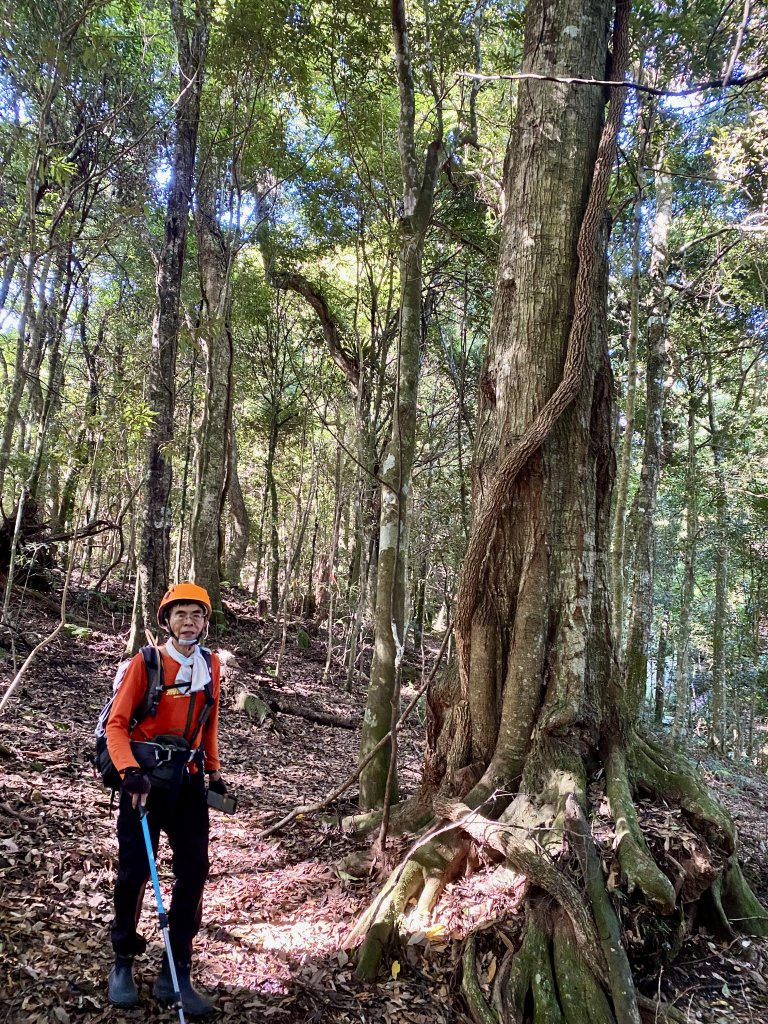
column 146, row 708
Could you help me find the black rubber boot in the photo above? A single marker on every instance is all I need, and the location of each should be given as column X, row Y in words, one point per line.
column 121, row 988
column 193, row 1002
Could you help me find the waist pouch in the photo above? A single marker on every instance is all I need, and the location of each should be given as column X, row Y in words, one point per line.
column 165, row 759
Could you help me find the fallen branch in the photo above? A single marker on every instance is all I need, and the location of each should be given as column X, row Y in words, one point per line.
column 264, row 649
column 286, row 708
column 92, row 529
column 334, row 794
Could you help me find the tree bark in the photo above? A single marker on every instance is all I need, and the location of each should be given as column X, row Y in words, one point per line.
column 154, row 554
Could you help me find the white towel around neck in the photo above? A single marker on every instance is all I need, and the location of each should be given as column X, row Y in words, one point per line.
column 193, row 672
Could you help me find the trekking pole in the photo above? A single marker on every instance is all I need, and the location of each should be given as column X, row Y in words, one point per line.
column 163, row 917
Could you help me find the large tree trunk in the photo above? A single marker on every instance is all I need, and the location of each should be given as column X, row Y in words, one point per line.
column 154, row 555
column 619, row 532
column 418, row 197
column 540, row 693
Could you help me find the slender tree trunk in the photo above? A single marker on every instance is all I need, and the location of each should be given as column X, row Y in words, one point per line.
column 184, row 499
column 274, row 545
column 682, row 668
column 418, row 197
column 644, row 560
column 154, row 555
column 618, row 534
column 215, row 264
column 661, row 665
column 240, row 525
column 327, row 608
column 28, row 333
column 717, row 727
column 265, row 497
column 57, row 319
column 32, row 243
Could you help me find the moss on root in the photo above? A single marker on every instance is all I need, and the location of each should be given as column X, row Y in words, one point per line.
column 381, row 922
column 673, row 777
column 739, row 903
column 572, row 966
column 638, row 866
column 581, row 996
column 479, row 1008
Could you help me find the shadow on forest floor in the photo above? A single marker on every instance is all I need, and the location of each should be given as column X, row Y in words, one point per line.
column 275, row 909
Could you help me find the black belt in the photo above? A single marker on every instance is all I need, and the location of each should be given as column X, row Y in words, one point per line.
column 150, row 754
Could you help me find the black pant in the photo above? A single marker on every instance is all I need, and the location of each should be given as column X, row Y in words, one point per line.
column 183, row 817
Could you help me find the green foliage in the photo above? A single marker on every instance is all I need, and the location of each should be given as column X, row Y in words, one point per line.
column 299, row 133
column 77, row 632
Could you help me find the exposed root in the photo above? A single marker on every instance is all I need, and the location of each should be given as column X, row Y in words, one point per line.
column 739, row 903
column 654, row 1012
column 573, row 966
column 531, row 977
column 380, row 923
column 478, row 1006
column 581, row 996
column 360, row 825
column 425, row 871
column 637, row 864
column 621, row 983
column 538, row 869
column 412, row 815
column 672, row 776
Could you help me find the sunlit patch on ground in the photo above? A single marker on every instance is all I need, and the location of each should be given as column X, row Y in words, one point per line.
column 277, row 908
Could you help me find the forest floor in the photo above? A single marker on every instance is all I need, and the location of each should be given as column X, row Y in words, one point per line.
column 276, row 909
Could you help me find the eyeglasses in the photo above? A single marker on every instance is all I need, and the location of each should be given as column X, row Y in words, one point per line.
column 180, row 616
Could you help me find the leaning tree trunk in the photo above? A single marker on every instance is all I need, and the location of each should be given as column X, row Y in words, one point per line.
column 154, row 555
column 540, row 695
column 418, row 197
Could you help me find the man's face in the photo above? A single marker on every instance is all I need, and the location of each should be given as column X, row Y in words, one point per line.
column 187, row 621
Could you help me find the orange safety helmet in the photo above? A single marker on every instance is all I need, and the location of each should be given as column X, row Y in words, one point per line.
column 181, row 593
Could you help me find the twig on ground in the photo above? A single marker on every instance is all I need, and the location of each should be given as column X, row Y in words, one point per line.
column 334, row 794
column 46, row 640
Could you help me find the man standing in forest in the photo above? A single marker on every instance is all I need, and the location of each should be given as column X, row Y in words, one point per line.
column 183, row 729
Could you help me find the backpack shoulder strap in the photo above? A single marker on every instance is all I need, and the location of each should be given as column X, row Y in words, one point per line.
column 209, row 698
column 147, row 707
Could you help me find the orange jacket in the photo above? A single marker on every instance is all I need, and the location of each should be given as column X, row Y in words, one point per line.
column 172, row 713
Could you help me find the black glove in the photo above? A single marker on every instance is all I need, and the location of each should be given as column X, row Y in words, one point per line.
column 217, row 786
column 136, row 782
